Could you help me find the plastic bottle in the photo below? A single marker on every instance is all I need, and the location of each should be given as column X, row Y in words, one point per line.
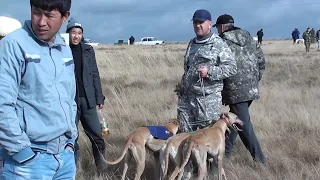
column 103, row 123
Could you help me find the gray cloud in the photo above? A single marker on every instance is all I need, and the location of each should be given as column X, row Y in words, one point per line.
column 106, row 21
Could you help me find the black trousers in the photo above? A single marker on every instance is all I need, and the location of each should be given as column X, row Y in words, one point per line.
column 247, row 135
column 91, row 125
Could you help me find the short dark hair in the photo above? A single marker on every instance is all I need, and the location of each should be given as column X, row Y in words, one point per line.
column 63, row 6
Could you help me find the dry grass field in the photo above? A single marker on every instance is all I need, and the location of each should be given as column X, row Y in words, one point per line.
column 138, row 83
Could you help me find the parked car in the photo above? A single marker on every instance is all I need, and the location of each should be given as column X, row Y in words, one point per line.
column 88, row 41
column 149, row 41
column 121, row 42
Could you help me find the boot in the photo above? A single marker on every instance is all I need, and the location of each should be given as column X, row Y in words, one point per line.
column 101, row 165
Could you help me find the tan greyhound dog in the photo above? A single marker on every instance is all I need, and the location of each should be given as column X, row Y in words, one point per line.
column 170, row 151
column 136, row 144
column 204, row 142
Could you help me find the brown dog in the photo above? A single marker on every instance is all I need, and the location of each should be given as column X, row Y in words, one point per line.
column 170, row 151
column 136, row 143
column 204, row 142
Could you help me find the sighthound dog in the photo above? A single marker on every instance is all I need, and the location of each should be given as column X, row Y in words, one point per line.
column 136, row 147
column 209, row 141
column 170, row 151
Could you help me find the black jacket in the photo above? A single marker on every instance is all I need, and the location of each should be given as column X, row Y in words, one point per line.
column 260, row 34
column 91, row 77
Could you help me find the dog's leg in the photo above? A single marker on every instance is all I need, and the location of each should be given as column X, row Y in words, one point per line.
column 139, row 153
column 187, row 152
column 188, row 169
column 162, row 160
column 214, row 166
column 125, row 164
column 156, row 163
column 169, row 155
column 223, row 175
column 220, row 159
column 178, row 168
column 201, row 159
column 178, row 161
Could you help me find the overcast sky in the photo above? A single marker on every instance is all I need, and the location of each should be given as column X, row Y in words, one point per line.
column 106, row 21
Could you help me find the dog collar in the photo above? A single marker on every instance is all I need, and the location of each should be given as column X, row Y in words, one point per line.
column 225, row 121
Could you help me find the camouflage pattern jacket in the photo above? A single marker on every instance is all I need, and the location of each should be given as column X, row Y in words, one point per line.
column 217, row 56
column 250, row 64
column 307, row 36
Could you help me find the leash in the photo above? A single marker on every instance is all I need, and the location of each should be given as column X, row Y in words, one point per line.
column 204, row 96
column 94, row 143
column 201, row 80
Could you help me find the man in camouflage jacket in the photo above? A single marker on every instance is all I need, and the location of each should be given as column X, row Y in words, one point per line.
column 307, row 36
column 208, row 60
column 241, row 89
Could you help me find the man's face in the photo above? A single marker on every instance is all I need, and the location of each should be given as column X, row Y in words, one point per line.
column 46, row 24
column 201, row 28
column 75, row 35
column 308, row 29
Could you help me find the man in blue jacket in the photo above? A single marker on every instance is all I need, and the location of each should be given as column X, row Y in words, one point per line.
column 295, row 35
column 37, row 99
column 89, row 92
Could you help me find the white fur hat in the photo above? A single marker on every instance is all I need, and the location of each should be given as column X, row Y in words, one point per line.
column 8, row 25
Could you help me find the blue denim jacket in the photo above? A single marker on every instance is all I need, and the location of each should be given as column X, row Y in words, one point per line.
column 37, row 99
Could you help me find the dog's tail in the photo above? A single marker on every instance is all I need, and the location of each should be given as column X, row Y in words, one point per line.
column 125, row 150
column 188, row 154
column 166, row 158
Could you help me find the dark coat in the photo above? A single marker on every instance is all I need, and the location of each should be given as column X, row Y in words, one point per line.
column 260, row 34
column 295, row 34
column 244, row 86
column 91, row 77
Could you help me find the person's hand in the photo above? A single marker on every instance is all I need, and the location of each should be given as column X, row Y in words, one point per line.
column 203, row 70
column 100, row 106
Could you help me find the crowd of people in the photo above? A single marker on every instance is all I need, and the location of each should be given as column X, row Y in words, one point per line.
column 47, row 87
column 310, row 36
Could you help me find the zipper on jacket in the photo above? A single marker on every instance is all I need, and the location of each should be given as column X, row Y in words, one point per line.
column 55, row 85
